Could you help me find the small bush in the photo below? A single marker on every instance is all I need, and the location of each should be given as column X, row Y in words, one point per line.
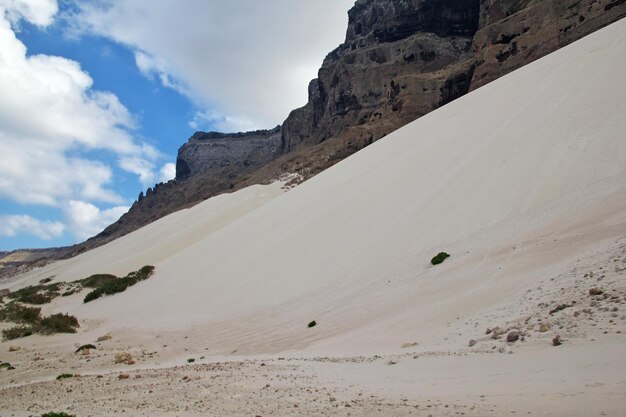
column 191, row 360
column 57, row 415
column 18, row 332
column 64, row 376
column 37, row 294
column 18, row 313
column 97, row 280
column 312, row 324
column 439, row 258
column 59, row 323
column 7, row 366
column 110, row 287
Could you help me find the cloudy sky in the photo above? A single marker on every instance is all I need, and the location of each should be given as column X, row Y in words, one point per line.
column 97, row 96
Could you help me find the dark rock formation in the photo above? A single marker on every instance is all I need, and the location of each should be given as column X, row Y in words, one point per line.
column 227, row 155
column 514, row 33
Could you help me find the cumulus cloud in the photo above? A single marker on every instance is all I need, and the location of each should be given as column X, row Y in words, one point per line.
column 13, row 225
column 51, row 122
column 38, row 12
column 85, row 219
column 168, row 172
column 249, row 61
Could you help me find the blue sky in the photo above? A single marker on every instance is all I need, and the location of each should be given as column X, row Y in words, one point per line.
column 96, row 97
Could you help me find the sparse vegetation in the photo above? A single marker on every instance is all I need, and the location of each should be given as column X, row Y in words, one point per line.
column 17, row 313
column 58, row 323
column 439, row 258
column 312, row 324
column 17, row 332
column 97, row 280
column 31, row 322
column 37, row 294
column 110, row 287
column 7, row 366
column 191, row 360
column 64, row 376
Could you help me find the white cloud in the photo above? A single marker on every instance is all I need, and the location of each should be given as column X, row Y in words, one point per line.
column 13, row 225
column 219, row 122
column 85, row 219
column 250, row 60
column 38, row 12
column 51, row 119
column 168, row 172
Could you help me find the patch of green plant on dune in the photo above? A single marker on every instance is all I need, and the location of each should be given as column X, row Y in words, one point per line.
column 113, row 286
column 439, row 258
column 36, row 294
column 30, row 321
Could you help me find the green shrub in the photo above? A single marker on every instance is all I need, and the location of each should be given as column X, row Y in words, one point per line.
column 37, row 294
column 191, row 360
column 17, row 313
column 57, row 415
column 17, row 332
column 312, row 324
column 110, row 287
column 439, row 258
column 7, row 366
column 97, row 280
column 64, row 376
column 59, row 323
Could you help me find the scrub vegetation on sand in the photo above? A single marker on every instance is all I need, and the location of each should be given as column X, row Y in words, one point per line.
column 439, row 258
column 108, row 285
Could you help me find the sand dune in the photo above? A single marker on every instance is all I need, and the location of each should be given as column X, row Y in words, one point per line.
column 523, row 182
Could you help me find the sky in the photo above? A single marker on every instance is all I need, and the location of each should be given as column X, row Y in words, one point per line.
column 97, row 96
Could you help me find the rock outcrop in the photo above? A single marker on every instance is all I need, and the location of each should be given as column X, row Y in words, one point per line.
column 227, row 155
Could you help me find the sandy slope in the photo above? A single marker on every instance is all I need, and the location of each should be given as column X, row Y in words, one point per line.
column 523, row 182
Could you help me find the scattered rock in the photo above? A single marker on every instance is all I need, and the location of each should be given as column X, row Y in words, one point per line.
column 409, row 344
column 595, row 291
column 496, row 332
column 512, row 336
column 544, row 327
column 556, row 341
column 559, row 308
column 472, row 343
column 104, row 338
column 86, row 347
column 123, row 376
column 124, row 357
column 14, row 348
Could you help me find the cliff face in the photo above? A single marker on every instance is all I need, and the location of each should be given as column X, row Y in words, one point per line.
column 515, row 32
column 401, row 59
column 227, row 155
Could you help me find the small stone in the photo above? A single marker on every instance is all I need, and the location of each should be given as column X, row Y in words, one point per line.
column 595, row 291
column 556, row 341
column 124, row 357
column 14, row 348
column 123, row 376
column 472, row 343
column 512, row 337
column 104, row 338
column 544, row 327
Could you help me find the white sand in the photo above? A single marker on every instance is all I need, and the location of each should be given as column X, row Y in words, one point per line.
column 523, row 182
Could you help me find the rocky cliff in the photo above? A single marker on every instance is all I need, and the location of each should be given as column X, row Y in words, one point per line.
column 400, row 60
